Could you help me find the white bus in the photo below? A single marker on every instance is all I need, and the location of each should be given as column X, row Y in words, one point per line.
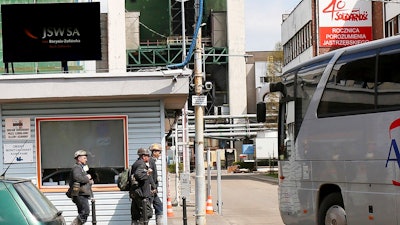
column 339, row 137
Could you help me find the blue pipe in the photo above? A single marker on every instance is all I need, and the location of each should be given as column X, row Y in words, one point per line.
column 196, row 31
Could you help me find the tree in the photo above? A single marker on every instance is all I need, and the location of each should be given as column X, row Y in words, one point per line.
column 274, row 69
column 275, row 62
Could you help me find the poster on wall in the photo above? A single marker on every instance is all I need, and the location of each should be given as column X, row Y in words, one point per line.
column 18, row 153
column 344, row 22
column 18, row 128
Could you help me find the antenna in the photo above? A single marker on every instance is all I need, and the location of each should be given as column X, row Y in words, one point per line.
column 4, row 174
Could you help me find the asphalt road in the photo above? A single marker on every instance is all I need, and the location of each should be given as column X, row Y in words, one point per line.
column 247, row 199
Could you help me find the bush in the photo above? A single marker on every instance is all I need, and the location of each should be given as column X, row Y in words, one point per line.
column 171, row 168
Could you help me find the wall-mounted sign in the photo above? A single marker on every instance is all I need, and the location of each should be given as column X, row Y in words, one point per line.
column 199, row 100
column 18, row 128
column 344, row 22
column 18, row 153
column 51, row 32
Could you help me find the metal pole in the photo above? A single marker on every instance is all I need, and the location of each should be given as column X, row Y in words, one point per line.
column 185, row 140
column 184, row 212
column 185, row 130
column 177, row 195
column 94, row 219
column 208, row 173
column 199, row 139
column 183, row 31
column 219, row 190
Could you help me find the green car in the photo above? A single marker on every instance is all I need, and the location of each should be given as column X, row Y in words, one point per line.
column 23, row 204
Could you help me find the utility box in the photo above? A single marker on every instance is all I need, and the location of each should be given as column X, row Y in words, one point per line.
column 267, row 145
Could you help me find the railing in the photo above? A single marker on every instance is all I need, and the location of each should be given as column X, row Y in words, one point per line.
column 229, row 127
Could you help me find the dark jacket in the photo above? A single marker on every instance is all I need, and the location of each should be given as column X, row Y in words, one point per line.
column 139, row 171
column 79, row 175
column 154, row 175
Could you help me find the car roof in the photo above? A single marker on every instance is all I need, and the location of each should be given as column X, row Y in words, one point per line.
column 12, row 180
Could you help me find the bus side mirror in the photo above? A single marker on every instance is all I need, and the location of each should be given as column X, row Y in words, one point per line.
column 261, row 112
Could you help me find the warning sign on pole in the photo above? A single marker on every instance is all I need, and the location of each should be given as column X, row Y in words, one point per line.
column 199, row 100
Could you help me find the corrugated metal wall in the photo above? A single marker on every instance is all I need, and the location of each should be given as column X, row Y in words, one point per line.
column 145, row 126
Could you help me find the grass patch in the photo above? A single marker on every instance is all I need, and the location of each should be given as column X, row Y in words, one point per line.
column 274, row 175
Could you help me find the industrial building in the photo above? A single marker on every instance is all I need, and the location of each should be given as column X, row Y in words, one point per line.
column 315, row 26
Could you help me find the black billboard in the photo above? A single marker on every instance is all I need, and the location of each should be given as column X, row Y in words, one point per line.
column 51, row 32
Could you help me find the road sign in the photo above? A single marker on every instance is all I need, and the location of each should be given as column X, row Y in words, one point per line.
column 185, row 186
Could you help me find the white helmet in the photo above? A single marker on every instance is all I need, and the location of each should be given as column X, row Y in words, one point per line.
column 79, row 153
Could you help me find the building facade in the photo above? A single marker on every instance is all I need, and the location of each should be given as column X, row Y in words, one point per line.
column 49, row 110
column 315, row 27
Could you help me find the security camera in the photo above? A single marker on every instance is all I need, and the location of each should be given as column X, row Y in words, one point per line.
column 208, row 85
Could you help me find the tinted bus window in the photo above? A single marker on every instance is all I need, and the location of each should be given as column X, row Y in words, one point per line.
column 350, row 87
column 307, row 81
column 388, row 86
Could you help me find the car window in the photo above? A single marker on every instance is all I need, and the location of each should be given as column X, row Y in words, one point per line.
column 10, row 213
column 100, row 175
column 36, row 202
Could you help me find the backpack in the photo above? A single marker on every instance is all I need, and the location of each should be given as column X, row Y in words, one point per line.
column 124, row 180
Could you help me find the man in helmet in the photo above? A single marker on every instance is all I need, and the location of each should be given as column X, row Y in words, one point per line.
column 141, row 193
column 157, row 204
column 80, row 187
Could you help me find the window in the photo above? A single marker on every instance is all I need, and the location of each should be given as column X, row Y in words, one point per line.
column 390, row 28
column 388, row 86
column 307, row 81
column 35, row 201
column 103, row 138
column 350, row 88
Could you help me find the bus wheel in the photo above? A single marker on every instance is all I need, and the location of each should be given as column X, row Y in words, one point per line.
column 331, row 210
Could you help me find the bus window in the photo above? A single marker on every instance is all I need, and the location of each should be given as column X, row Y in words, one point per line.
column 307, row 81
column 350, row 87
column 389, row 78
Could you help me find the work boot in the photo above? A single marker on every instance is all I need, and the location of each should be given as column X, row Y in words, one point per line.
column 159, row 220
column 135, row 222
column 76, row 221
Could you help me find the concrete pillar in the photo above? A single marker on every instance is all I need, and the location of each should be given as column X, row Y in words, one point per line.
column 237, row 63
column 116, row 36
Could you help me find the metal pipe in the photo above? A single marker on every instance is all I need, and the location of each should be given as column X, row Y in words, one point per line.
column 235, row 129
column 233, row 125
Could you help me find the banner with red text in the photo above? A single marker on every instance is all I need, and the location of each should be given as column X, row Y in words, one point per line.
column 344, row 22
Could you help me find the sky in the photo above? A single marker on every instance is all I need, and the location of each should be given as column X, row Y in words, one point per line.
column 263, row 20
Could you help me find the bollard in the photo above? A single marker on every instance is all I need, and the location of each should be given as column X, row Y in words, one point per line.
column 184, row 217
column 94, row 221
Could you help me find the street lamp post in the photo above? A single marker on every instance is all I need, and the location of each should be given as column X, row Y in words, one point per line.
column 199, row 138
